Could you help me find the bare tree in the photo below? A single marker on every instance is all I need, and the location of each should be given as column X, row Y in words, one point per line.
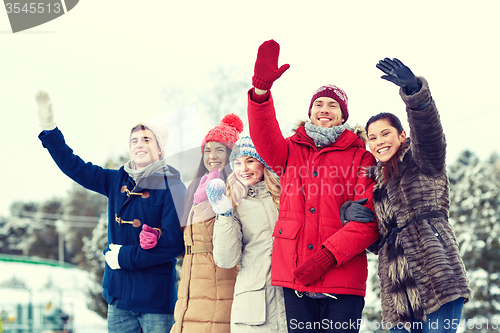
column 227, row 94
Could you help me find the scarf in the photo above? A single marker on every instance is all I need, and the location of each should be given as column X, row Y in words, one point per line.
column 324, row 136
column 159, row 167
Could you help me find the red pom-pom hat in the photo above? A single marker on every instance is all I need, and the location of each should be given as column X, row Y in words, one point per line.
column 227, row 132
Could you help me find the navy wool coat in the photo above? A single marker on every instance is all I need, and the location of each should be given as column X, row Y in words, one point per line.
column 146, row 280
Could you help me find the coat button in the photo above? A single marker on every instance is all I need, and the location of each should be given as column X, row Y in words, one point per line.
column 310, row 246
column 312, row 210
column 315, row 174
column 280, row 232
column 436, row 234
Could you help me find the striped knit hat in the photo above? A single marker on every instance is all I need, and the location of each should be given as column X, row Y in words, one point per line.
column 244, row 147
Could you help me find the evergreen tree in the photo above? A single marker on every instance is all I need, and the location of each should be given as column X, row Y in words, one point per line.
column 80, row 209
column 44, row 238
column 474, row 211
column 13, row 233
column 93, row 247
column 372, row 312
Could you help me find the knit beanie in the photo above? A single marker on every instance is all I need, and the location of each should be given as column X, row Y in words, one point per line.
column 227, row 132
column 160, row 132
column 333, row 92
column 244, row 147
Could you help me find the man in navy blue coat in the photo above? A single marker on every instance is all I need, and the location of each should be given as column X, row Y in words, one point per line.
column 146, row 193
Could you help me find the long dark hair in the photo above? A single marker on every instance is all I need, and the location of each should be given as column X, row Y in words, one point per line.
column 391, row 167
column 202, row 170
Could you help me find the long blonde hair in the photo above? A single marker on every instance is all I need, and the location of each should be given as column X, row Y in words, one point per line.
column 236, row 191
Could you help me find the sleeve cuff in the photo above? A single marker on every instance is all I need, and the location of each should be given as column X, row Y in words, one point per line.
column 259, row 98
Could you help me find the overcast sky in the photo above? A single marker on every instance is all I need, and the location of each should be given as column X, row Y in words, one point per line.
column 107, row 65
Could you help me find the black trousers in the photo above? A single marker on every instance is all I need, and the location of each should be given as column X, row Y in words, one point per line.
column 323, row 315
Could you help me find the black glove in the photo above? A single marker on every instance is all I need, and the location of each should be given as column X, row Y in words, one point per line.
column 355, row 211
column 399, row 74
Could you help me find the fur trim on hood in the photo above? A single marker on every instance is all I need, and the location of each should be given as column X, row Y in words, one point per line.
column 357, row 129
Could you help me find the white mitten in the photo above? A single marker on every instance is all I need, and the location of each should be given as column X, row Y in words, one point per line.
column 219, row 201
column 112, row 256
column 45, row 114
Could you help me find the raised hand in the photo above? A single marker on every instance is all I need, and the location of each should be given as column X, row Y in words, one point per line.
column 266, row 69
column 399, row 74
column 221, row 204
column 45, row 113
column 201, row 193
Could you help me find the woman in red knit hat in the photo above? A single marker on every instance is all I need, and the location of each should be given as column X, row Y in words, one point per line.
column 206, row 291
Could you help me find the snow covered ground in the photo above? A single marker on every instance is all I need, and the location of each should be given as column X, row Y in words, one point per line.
column 47, row 289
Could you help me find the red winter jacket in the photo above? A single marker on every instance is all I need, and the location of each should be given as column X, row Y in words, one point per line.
column 314, row 184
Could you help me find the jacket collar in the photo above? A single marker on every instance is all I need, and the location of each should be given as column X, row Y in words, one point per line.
column 405, row 147
column 156, row 181
column 345, row 140
column 257, row 190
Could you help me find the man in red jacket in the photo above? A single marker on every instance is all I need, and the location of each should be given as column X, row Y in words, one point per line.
column 320, row 263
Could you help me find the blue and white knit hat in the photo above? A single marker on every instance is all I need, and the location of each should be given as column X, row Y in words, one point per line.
column 244, row 147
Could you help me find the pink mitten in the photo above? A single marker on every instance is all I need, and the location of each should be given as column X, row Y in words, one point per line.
column 201, row 193
column 148, row 237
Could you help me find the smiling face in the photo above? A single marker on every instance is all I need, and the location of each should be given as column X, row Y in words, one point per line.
column 144, row 148
column 248, row 170
column 326, row 112
column 384, row 139
column 214, row 155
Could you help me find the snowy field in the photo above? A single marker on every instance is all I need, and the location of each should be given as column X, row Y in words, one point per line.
column 47, row 288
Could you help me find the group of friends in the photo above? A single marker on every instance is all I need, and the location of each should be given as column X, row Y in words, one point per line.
column 274, row 231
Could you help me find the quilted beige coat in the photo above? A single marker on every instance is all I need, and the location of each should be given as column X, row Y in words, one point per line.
column 205, row 291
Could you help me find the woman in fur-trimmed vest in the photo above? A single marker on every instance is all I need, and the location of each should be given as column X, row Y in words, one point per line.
column 423, row 282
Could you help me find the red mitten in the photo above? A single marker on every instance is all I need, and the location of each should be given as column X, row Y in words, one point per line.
column 312, row 269
column 148, row 237
column 266, row 69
